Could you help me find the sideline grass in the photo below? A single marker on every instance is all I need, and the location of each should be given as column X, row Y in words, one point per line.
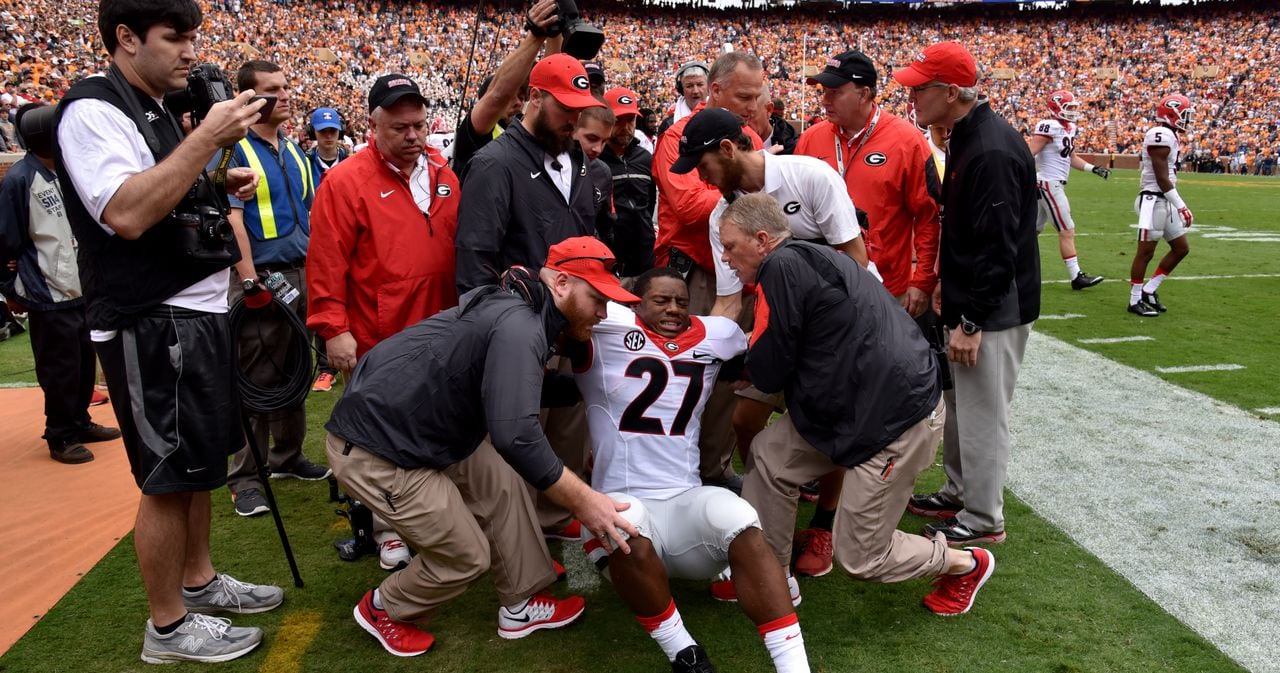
column 1051, row 606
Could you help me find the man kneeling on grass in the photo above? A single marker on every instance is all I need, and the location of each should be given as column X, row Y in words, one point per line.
column 646, row 377
column 408, row 440
column 863, row 395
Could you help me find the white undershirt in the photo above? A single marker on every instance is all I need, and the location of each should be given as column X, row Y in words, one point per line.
column 106, row 149
column 562, row 177
column 419, row 183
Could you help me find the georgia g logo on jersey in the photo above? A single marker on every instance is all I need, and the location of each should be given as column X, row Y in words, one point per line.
column 791, row 208
column 875, row 159
column 634, row 340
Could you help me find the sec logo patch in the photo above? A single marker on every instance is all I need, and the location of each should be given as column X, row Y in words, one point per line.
column 875, row 159
column 791, row 208
column 634, row 340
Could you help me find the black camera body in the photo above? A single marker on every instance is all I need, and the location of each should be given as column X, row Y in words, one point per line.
column 581, row 39
column 203, row 232
column 206, row 87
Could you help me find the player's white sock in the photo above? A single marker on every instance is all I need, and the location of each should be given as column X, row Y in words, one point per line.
column 1154, row 284
column 1135, row 292
column 1073, row 266
column 785, row 643
column 377, row 600
column 667, row 629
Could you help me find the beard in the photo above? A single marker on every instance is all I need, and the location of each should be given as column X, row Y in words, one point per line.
column 549, row 139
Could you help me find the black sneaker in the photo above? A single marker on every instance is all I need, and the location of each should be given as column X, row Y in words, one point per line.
column 250, row 502
column 1143, row 309
column 1083, row 280
column 932, row 505
column 97, row 433
column 692, row 659
column 70, row 452
column 1153, row 300
column 957, row 533
column 304, row 470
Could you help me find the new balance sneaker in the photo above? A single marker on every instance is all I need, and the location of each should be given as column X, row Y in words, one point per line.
column 723, row 590
column 97, row 433
column 323, row 384
column 814, row 559
column 250, row 502
column 1153, row 300
column 392, row 553
column 932, row 506
column 957, row 533
column 304, row 470
column 542, row 611
column 69, row 452
column 1143, row 309
column 199, row 638
column 228, row 594
column 954, row 594
column 692, row 659
column 1083, row 280
column 570, row 533
column 399, row 638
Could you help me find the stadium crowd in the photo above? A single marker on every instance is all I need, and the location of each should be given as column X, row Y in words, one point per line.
column 337, row 48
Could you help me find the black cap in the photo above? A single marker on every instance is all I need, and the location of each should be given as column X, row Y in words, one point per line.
column 391, row 88
column 595, row 72
column 703, row 134
column 851, row 66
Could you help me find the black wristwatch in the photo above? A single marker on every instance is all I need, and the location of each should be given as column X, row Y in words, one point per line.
column 248, row 284
column 969, row 327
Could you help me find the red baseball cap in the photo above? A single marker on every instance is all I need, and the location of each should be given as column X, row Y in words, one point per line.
column 946, row 62
column 622, row 101
column 587, row 258
column 562, row 76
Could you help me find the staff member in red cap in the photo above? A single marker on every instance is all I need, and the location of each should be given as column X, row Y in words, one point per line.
column 529, row 188
column 634, row 192
column 989, row 287
column 407, row 440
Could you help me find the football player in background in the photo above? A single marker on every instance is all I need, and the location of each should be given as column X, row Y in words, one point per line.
column 646, row 377
column 1053, row 143
column 1161, row 211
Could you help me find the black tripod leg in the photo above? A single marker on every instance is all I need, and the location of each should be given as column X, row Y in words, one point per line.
column 264, row 474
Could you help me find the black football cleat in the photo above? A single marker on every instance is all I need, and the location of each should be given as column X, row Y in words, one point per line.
column 692, row 659
column 1143, row 309
column 1153, row 300
column 1083, row 280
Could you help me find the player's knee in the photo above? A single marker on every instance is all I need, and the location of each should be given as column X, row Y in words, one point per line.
column 729, row 516
column 637, row 514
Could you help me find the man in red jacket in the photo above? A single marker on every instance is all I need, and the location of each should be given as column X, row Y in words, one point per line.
column 382, row 228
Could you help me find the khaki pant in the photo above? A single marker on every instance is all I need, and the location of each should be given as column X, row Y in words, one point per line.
column 566, row 430
column 867, row 542
column 470, row 517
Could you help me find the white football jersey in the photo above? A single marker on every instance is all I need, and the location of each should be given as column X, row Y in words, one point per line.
column 1053, row 162
column 812, row 195
column 1158, row 136
column 645, row 394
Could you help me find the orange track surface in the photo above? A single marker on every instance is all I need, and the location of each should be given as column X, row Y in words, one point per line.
column 59, row 520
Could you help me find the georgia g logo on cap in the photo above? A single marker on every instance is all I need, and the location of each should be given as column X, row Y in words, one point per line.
column 625, row 100
column 581, row 83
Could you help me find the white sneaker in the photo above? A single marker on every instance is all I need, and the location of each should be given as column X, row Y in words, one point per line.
column 199, row 638
column 392, row 552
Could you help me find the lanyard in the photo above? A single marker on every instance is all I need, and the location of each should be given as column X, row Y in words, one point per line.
column 866, row 134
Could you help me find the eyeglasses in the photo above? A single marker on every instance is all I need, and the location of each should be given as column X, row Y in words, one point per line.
column 608, row 262
column 924, row 87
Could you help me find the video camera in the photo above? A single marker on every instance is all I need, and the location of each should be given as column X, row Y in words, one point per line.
column 206, row 87
column 581, row 39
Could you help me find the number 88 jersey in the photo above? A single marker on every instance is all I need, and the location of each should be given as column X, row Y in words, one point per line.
column 645, row 394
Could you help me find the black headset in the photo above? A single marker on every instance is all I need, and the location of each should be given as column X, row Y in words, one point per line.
column 685, row 67
column 311, row 131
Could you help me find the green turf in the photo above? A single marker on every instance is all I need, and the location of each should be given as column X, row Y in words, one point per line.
column 17, row 368
column 1050, row 607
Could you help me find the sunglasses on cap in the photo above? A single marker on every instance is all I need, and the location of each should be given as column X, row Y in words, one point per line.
column 607, row 262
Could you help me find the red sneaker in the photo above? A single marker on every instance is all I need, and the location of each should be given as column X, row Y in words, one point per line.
column 815, row 559
column 323, row 384
column 561, row 575
column 98, row 399
column 399, row 638
column 570, row 533
column 955, row 593
column 543, row 611
column 723, row 590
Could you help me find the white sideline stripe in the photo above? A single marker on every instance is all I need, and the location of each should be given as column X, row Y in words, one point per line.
column 1064, row 316
column 1173, row 506
column 20, row 384
column 1269, row 411
column 1116, row 340
column 1182, row 278
column 1199, row 368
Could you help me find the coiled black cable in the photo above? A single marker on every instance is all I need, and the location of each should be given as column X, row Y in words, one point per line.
column 295, row 372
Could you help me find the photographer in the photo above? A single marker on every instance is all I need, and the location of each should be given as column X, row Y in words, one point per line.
column 272, row 227
column 154, row 253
